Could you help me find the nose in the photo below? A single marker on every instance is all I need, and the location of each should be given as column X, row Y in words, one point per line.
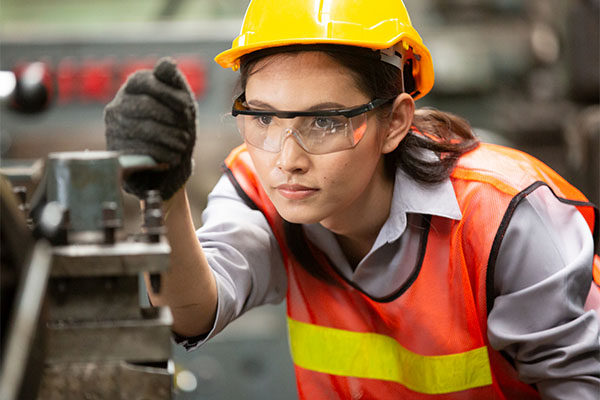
column 292, row 157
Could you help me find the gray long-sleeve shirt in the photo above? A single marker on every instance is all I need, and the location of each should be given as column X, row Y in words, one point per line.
column 542, row 275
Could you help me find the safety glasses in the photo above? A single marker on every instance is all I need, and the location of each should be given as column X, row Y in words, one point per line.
column 317, row 132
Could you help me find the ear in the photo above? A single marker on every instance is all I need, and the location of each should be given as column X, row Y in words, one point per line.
column 400, row 121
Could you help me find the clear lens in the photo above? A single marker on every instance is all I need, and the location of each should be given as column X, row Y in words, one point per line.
column 316, row 135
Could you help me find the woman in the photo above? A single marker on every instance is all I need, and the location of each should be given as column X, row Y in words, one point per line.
column 416, row 262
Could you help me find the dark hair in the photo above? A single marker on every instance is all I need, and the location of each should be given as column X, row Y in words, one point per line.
column 444, row 134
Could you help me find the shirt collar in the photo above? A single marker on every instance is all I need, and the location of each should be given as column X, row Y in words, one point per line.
column 414, row 197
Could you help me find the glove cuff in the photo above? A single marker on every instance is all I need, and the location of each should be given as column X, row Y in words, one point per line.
column 169, row 181
column 176, row 179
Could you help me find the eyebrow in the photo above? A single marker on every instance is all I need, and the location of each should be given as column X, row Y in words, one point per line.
column 260, row 105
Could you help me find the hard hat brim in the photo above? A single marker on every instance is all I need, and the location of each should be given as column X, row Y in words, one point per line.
column 231, row 58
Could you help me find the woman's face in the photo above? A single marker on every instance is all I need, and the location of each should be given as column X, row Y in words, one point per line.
column 309, row 188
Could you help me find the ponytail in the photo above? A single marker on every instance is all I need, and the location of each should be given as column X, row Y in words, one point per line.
column 442, row 134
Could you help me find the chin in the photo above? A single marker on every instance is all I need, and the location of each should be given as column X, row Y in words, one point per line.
column 300, row 216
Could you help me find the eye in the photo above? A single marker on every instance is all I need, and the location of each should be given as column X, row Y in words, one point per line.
column 329, row 124
column 324, row 123
column 264, row 120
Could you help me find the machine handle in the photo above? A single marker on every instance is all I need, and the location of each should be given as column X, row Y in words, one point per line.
column 131, row 163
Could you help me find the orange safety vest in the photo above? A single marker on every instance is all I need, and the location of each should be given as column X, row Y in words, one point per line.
column 429, row 339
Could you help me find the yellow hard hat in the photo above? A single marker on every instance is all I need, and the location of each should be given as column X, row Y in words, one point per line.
column 378, row 25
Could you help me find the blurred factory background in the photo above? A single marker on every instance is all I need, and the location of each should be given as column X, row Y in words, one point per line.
column 524, row 73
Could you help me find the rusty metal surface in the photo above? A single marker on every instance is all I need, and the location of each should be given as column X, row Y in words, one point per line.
column 103, row 298
column 143, row 339
column 123, row 258
column 81, row 181
column 108, row 380
column 96, row 327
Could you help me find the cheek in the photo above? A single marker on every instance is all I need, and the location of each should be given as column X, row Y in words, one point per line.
column 264, row 164
column 348, row 176
column 339, row 177
column 334, row 171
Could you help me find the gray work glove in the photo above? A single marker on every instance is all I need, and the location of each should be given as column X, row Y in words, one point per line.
column 154, row 114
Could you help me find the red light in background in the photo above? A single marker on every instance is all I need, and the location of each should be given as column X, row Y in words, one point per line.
column 97, row 84
column 96, row 80
column 195, row 72
column 66, row 80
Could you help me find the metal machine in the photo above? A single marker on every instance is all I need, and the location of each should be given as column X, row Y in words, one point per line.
column 99, row 342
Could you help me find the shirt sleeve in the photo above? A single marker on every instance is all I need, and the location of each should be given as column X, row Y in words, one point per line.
column 542, row 279
column 244, row 257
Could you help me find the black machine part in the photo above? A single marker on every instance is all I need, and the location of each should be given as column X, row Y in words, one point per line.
column 25, row 268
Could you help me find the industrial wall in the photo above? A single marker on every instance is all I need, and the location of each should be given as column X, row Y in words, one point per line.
column 525, row 73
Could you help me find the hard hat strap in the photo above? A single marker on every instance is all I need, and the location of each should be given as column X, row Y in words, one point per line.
column 391, row 56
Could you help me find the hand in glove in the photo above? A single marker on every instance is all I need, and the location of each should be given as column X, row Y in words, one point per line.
column 154, row 114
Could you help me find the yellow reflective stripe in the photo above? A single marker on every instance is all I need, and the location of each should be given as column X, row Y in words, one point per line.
column 376, row 356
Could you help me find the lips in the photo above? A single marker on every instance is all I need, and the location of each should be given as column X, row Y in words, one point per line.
column 295, row 192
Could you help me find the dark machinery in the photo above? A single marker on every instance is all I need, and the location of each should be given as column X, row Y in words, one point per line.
column 92, row 338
